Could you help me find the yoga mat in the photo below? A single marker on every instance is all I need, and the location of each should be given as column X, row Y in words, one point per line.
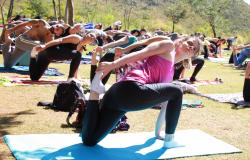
column 202, row 82
column 218, row 60
column 24, row 80
column 25, row 70
column 233, row 98
column 128, row 146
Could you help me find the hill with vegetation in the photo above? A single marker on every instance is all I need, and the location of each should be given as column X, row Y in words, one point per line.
column 214, row 17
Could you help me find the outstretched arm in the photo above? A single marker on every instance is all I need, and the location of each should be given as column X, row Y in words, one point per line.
column 74, row 39
column 34, row 22
column 157, row 48
column 121, row 41
column 145, row 42
column 243, row 47
column 160, row 120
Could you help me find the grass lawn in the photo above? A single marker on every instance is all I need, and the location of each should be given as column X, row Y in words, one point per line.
column 20, row 115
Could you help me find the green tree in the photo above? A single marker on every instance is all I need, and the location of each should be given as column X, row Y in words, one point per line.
column 128, row 6
column 54, row 8
column 37, row 8
column 211, row 11
column 175, row 11
column 69, row 12
column 10, row 10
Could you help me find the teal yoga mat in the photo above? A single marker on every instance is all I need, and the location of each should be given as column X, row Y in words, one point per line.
column 126, row 146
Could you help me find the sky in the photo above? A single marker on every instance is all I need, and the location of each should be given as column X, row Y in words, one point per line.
column 247, row 1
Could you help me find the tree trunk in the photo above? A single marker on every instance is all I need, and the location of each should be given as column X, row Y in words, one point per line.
column 66, row 13
column 2, row 14
column 70, row 12
column 59, row 10
column 10, row 10
column 173, row 26
column 213, row 29
column 54, row 7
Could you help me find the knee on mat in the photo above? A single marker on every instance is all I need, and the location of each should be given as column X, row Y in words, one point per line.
column 35, row 77
column 7, row 64
column 88, row 142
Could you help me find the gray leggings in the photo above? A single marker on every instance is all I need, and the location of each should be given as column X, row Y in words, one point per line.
column 22, row 46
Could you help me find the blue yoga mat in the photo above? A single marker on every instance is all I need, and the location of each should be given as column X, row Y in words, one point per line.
column 25, row 70
column 128, row 146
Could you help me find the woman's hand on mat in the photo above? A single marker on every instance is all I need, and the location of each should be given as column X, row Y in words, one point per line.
column 105, row 67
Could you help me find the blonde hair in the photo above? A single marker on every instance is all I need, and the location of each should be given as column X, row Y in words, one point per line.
column 197, row 45
column 198, row 48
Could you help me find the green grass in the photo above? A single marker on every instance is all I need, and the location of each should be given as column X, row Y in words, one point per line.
column 20, row 115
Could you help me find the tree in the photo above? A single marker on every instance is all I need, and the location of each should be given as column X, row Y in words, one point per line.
column 54, row 7
column 10, row 10
column 69, row 12
column 37, row 8
column 175, row 11
column 2, row 15
column 1, row 7
column 59, row 10
column 211, row 11
column 128, row 6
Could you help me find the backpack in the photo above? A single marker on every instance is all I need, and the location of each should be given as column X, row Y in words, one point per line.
column 69, row 97
column 66, row 95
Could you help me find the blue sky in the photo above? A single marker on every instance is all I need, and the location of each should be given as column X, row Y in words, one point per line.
column 247, row 1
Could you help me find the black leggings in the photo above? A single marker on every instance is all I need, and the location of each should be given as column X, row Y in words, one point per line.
column 206, row 54
column 128, row 96
column 199, row 64
column 55, row 53
column 246, row 90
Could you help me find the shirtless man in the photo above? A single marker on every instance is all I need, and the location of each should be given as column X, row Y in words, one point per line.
column 40, row 32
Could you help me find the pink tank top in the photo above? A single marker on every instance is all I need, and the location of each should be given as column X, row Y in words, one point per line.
column 155, row 69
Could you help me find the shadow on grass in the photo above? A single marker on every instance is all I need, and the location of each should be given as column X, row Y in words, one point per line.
column 235, row 107
column 74, row 129
column 10, row 120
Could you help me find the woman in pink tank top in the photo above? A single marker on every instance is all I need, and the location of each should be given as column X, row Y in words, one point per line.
column 144, row 86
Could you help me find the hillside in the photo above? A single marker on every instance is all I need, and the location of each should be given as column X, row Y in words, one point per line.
column 220, row 17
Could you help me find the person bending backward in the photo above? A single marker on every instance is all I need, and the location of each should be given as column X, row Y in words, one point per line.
column 40, row 32
column 179, row 68
column 240, row 57
column 246, row 87
column 66, row 48
column 126, row 45
column 142, row 87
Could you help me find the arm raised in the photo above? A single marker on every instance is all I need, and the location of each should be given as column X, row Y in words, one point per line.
column 156, row 48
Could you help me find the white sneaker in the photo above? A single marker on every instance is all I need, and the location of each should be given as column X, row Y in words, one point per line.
column 96, row 84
